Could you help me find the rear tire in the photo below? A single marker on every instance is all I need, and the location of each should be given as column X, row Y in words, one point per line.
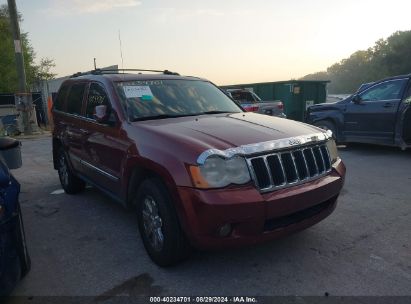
column 70, row 182
column 159, row 226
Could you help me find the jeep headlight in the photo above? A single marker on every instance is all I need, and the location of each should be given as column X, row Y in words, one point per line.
column 332, row 149
column 217, row 172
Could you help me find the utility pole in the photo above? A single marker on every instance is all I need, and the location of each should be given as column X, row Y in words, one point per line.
column 24, row 98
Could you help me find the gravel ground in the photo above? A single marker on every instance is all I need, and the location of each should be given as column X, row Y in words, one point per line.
column 89, row 245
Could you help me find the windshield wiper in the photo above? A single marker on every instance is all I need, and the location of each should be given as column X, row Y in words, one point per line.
column 160, row 116
column 214, row 112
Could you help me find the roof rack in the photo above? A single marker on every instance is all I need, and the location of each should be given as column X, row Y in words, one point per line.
column 117, row 71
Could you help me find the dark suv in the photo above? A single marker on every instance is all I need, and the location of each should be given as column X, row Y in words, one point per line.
column 190, row 162
column 378, row 113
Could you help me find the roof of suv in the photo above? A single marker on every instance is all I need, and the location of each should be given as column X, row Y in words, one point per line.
column 394, row 77
column 131, row 77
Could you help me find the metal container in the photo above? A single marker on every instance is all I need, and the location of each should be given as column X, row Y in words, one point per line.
column 296, row 95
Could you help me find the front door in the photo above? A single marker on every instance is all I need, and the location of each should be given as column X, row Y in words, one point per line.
column 372, row 118
column 105, row 150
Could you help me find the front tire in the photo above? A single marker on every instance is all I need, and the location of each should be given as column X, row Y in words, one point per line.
column 70, row 183
column 158, row 223
column 327, row 125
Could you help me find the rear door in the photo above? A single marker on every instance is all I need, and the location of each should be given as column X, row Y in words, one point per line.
column 105, row 150
column 73, row 134
column 373, row 118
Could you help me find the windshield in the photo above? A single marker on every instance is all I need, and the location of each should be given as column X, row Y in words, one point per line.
column 155, row 99
column 245, row 96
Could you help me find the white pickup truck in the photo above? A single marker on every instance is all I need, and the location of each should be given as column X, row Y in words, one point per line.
column 250, row 102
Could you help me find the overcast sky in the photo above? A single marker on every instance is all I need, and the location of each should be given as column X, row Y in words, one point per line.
column 226, row 41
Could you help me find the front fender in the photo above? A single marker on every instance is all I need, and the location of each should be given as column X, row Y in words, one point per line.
column 170, row 170
column 330, row 113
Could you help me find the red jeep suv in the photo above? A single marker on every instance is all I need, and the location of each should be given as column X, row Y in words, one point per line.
column 195, row 168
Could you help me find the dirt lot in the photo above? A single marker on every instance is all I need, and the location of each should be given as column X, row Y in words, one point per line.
column 88, row 245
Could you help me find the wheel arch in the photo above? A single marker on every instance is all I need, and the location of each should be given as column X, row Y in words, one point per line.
column 332, row 121
column 141, row 171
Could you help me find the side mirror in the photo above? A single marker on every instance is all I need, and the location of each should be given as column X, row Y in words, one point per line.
column 356, row 99
column 101, row 114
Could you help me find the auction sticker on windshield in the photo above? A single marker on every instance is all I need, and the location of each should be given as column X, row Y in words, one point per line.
column 137, row 91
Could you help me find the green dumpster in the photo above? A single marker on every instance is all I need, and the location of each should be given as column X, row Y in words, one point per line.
column 296, row 95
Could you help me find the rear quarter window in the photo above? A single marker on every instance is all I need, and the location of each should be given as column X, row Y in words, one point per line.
column 75, row 98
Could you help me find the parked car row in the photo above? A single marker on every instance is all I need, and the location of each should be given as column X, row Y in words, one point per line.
column 378, row 113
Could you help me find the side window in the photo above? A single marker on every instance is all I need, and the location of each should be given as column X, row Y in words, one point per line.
column 96, row 96
column 256, row 98
column 243, row 96
column 407, row 98
column 75, row 98
column 385, row 91
column 61, row 96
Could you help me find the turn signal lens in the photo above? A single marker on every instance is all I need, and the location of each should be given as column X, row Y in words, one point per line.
column 198, row 180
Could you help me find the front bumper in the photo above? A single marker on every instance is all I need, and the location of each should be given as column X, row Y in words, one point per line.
column 256, row 217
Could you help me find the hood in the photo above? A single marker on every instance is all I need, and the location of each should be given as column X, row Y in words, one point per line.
column 223, row 131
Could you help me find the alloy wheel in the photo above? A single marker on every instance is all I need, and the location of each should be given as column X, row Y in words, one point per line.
column 63, row 170
column 152, row 223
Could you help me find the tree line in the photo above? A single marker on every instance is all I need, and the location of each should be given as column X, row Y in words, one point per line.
column 388, row 57
column 35, row 72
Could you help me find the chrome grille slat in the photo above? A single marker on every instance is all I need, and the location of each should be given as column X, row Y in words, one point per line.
column 283, row 170
column 327, row 157
column 322, row 158
column 291, row 171
column 319, row 159
column 306, row 165
column 268, row 169
column 278, row 170
column 315, row 161
column 295, row 166
column 273, row 162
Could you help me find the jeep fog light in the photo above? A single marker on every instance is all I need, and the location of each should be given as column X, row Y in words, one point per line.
column 224, row 230
column 332, row 149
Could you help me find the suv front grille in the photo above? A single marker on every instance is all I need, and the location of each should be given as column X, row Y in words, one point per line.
column 282, row 169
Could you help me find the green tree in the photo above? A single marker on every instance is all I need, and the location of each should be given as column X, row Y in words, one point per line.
column 8, row 72
column 388, row 57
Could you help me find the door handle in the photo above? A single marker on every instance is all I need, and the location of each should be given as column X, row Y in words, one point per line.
column 387, row 105
column 84, row 132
